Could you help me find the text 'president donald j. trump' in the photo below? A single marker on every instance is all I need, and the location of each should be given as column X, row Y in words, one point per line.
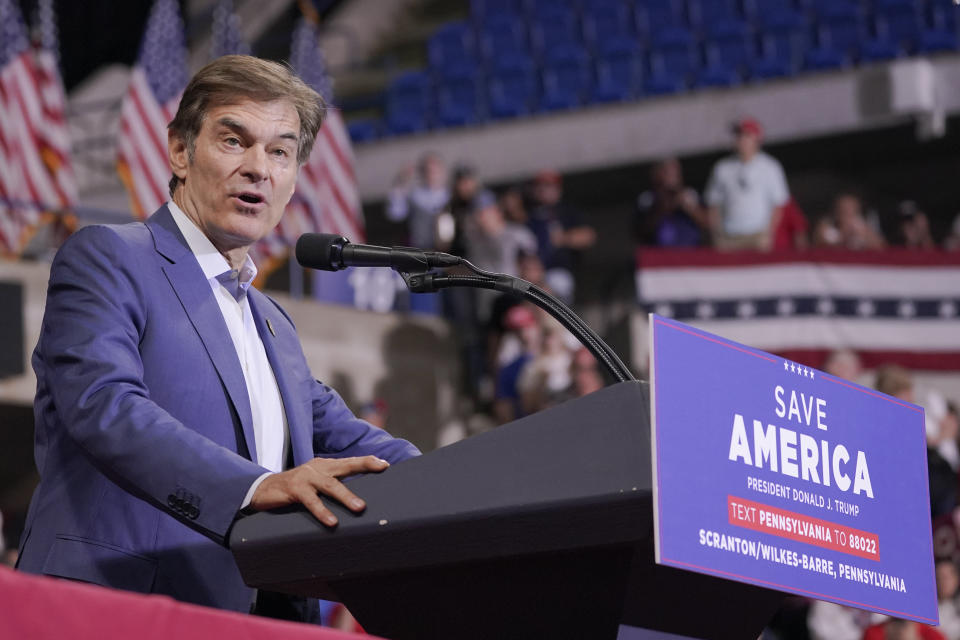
column 172, row 395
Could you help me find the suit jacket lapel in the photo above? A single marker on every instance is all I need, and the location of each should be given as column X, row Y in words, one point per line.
column 275, row 336
column 193, row 290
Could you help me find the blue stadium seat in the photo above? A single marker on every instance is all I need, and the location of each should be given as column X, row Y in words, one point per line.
column 881, row 6
column 840, row 27
column 729, row 44
column 879, row 49
column 552, row 28
column 482, row 9
column 704, row 13
column 512, row 86
column 566, row 78
column 934, row 40
column 408, row 103
column 941, row 15
column 829, row 7
column 363, row 130
column 670, row 37
column 502, row 34
column 716, row 76
column 779, row 15
column 672, row 61
column 618, row 70
column 604, row 20
column 653, row 15
column 458, row 97
column 898, row 24
column 781, row 47
column 757, row 9
column 451, row 45
column 535, row 8
column 823, row 58
column 658, row 84
column 673, row 53
column 764, row 68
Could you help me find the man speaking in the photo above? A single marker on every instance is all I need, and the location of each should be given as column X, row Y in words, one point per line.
column 171, row 395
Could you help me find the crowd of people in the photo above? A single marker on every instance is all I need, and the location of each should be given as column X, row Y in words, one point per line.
column 517, row 359
column 747, row 205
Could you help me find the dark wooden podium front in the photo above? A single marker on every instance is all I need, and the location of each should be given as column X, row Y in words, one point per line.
column 542, row 528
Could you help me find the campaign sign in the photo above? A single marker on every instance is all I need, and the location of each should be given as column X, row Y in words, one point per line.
column 775, row 474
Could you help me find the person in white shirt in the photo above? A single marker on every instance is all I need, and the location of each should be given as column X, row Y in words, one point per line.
column 746, row 193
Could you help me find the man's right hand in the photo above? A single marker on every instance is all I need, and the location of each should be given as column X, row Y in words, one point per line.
column 321, row 475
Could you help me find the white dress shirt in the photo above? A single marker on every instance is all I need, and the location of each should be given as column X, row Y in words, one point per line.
column 270, row 430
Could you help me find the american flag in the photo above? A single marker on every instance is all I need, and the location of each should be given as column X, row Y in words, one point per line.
column 156, row 84
column 35, row 170
column 326, row 199
column 227, row 39
column 892, row 306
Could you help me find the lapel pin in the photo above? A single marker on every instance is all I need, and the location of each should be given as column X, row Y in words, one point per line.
column 270, row 326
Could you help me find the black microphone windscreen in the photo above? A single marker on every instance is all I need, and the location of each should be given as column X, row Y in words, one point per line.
column 315, row 250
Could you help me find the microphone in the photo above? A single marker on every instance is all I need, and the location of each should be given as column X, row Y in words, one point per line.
column 330, row 252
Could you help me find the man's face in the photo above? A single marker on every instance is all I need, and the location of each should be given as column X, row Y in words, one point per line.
column 243, row 171
column 748, row 143
column 848, row 213
column 434, row 172
column 668, row 174
column 548, row 193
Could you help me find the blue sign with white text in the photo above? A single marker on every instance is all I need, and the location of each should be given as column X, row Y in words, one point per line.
column 775, row 474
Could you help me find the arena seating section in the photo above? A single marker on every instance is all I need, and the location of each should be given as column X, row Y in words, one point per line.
column 513, row 58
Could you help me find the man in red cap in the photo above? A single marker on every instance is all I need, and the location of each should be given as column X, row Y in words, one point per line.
column 746, row 193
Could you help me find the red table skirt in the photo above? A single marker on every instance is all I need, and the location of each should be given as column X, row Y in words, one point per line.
column 39, row 608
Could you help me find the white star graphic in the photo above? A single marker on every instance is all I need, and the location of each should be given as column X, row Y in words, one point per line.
column 866, row 308
column 664, row 309
column 705, row 310
column 785, row 307
column 907, row 309
column 947, row 309
column 786, row 365
column 792, row 368
column 825, row 306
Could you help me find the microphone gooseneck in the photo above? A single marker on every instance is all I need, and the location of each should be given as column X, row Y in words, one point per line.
column 329, row 252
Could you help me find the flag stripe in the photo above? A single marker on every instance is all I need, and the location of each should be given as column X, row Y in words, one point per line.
column 145, row 189
column 812, row 278
column 152, row 163
column 873, row 358
column 142, row 156
column 650, row 258
column 42, row 188
column 906, row 304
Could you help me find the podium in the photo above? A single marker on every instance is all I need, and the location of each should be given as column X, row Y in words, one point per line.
column 542, row 528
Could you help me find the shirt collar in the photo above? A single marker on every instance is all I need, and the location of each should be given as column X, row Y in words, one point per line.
column 210, row 260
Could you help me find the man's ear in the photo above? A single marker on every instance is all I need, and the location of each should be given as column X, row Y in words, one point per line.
column 179, row 154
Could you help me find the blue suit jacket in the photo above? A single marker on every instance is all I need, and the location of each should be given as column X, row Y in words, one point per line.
column 144, row 437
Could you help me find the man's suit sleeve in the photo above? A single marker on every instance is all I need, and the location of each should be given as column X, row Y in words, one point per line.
column 94, row 321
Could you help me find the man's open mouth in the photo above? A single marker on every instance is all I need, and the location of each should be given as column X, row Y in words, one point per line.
column 250, row 198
